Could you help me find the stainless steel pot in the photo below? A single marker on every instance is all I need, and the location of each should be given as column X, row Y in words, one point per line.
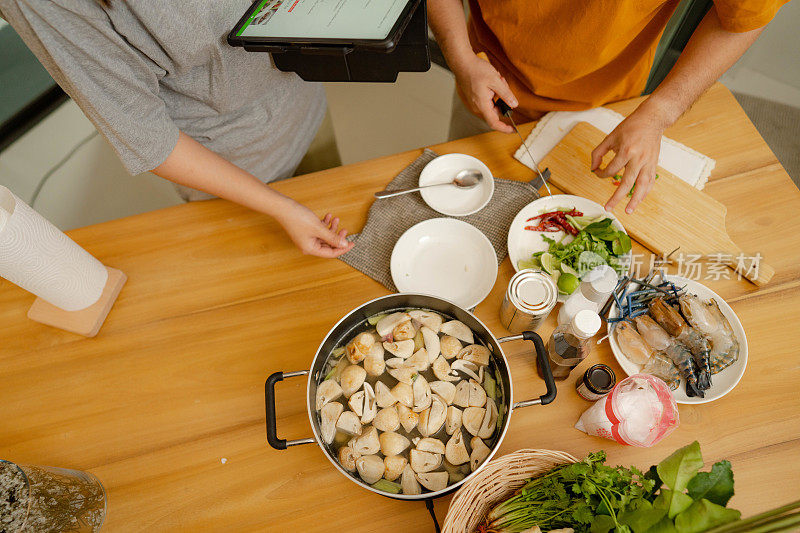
column 354, row 321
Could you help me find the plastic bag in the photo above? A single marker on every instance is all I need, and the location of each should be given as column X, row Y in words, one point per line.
column 639, row 411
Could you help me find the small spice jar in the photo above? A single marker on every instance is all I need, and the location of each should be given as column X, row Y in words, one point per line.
column 596, row 382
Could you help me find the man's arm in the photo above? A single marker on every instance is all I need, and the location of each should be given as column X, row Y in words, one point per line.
column 636, row 141
column 192, row 164
column 477, row 81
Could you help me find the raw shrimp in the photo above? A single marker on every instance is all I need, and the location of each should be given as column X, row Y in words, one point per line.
column 675, row 354
column 709, row 320
column 661, row 366
column 631, row 344
column 672, row 321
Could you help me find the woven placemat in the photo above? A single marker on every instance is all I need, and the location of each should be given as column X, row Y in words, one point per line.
column 389, row 218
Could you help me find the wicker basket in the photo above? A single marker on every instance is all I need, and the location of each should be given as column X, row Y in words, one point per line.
column 496, row 482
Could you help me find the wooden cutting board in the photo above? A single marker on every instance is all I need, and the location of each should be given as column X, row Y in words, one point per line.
column 673, row 215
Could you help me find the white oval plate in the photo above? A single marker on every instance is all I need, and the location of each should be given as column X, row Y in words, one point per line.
column 523, row 243
column 722, row 382
column 447, row 258
column 451, row 200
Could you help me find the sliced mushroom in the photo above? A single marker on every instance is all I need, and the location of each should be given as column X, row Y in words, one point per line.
column 370, row 406
column 461, row 396
column 429, row 444
column 349, row 423
column 489, row 422
column 450, row 346
column 408, row 418
column 394, row 466
column 404, row 331
column 419, row 361
column 347, row 458
column 374, row 363
column 356, row 402
column 370, row 468
column 441, row 369
column 402, row 349
column 432, row 345
column 428, row 319
column 475, row 353
column 368, row 443
column 422, row 394
column 445, row 389
column 466, row 367
column 329, row 415
column 395, row 362
column 456, row 451
column 383, row 396
column 404, row 394
column 434, row 481
column 385, row 325
column 359, row 347
column 393, row 443
column 479, row 453
column 352, row 378
column 432, row 419
column 327, row 391
column 387, row 419
column 424, row 461
column 459, row 330
column 477, row 394
column 453, row 420
column 403, row 374
column 472, row 419
column 409, row 482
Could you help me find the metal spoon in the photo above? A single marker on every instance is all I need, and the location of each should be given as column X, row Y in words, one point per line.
column 466, row 179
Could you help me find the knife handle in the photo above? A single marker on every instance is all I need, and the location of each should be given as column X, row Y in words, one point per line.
column 504, row 108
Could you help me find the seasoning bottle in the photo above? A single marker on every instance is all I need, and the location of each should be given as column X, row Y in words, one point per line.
column 569, row 343
column 596, row 382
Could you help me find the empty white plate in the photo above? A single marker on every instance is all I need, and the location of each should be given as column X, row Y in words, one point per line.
column 447, row 258
column 452, row 200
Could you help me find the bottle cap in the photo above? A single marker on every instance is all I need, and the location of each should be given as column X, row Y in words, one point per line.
column 586, row 323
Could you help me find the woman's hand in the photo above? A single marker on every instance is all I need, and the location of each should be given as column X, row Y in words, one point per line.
column 636, row 141
column 311, row 235
column 478, row 84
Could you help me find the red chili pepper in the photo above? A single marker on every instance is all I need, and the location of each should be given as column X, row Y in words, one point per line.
column 555, row 221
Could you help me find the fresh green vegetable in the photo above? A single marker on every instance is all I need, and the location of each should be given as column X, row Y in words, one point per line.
column 592, row 497
column 489, row 386
column 597, row 243
column 374, row 319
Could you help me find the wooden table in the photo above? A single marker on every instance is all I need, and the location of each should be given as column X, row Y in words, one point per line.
column 166, row 404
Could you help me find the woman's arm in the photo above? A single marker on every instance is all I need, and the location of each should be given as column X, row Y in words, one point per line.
column 477, row 82
column 636, row 141
column 192, row 164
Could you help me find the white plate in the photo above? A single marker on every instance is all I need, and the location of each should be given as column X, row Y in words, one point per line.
column 722, row 382
column 447, row 258
column 523, row 243
column 451, row 200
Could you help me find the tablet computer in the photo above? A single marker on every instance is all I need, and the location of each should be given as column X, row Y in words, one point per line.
column 366, row 24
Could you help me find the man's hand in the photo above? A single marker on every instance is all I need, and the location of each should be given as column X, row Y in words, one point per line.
column 636, row 142
column 478, row 84
column 311, row 235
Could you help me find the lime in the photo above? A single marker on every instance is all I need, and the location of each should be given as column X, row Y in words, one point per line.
column 524, row 264
column 566, row 269
column 549, row 263
column 568, row 282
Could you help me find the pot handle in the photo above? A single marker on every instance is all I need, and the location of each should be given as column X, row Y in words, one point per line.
column 272, row 419
column 544, row 363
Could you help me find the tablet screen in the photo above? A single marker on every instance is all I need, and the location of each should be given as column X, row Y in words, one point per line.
column 323, row 19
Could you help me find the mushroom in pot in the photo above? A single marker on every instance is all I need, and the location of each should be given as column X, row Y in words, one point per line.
column 409, row 482
column 370, row 408
column 374, row 363
column 408, row 418
column 358, row 348
column 402, row 349
column 422, row 394
column 394, row 466
column 475, row 353
column 352, row 378
column 419, row 361
column 466, row 367
column 428, row 319
column 356, row 402
column 432, row 419
column 370, row 468
column 434, row 481
column 368, row 443
column 395, row 362
column 393, row 443
column 349, row 423
column 403, row 374
column 445, row 390
column 489, row 421
column 385, row 325
column 453, row 420
column 429, row 444
column 479, row 453
column 347, row 458
column 450, row 346
column 456, row 451
column 383, row 396
column 473, row 418
column 441, row 369
column 459, row 330
column 404, row 394
column 387, row 419
column 404, row 331
column 432, row 343
column 329, row 414
column 424, row 461
column 327, row 391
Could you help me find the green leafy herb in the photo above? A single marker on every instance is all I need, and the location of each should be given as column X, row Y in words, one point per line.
column 715, row 486
column 703, row 515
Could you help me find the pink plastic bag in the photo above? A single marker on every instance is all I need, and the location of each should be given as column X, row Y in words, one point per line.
column 639, row 411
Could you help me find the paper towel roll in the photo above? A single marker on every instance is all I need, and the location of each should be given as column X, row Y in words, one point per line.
column 38, row 257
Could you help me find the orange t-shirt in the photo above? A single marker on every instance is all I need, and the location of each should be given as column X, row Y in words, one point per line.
column 570, row 55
